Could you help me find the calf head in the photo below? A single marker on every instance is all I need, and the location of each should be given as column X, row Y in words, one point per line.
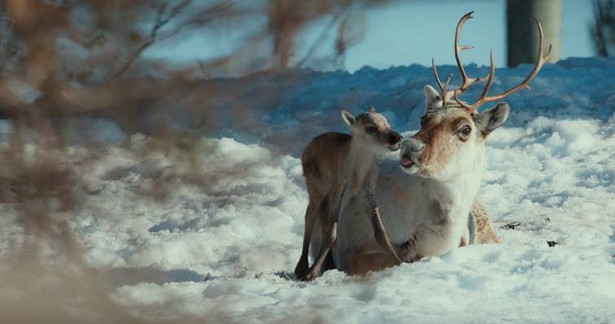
column 373, row 130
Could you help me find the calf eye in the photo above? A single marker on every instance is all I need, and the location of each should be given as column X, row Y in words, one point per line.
column 371, row 129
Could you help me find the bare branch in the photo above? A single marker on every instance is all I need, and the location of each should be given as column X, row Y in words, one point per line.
column 161, row 21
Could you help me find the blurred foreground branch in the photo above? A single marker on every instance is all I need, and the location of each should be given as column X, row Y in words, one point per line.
column 70, row 65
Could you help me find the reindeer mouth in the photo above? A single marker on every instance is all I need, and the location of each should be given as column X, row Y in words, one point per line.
column 406, row 162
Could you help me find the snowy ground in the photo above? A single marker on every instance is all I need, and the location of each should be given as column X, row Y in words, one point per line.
column 224, row 242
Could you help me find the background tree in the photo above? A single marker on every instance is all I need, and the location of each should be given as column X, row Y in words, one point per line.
column 603, row 28
column 522, row 34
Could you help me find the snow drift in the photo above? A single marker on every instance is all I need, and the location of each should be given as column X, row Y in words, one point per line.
column 223, row 242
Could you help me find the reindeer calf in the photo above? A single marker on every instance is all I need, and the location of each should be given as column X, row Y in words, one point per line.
column 339, row 168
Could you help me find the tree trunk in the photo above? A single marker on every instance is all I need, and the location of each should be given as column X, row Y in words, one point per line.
column 284, row 22
column 522, row 31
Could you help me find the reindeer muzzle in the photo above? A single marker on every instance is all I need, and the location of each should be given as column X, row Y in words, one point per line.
column 412, row 149
column 394, row 141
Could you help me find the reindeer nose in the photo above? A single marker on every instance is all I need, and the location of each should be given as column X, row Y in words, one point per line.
column 394, row 138
column 415, row 146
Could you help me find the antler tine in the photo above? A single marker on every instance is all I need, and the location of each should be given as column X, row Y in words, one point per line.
column 540, row 61
column 483, row 96
column 461, row 103
column 446, row 85
column 435, row 73
column 444, row 90
column 442, row 87
column 466, row 82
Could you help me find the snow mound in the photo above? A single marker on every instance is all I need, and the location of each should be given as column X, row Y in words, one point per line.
column 221, row 243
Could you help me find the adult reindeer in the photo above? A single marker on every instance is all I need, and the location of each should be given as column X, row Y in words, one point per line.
column 425, row 204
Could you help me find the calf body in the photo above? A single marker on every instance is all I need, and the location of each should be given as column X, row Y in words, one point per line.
column 338, row 169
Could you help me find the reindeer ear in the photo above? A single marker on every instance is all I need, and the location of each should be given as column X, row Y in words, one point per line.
column 348, row 118
column 488, row 120
column 371, row 109
column 432, row 96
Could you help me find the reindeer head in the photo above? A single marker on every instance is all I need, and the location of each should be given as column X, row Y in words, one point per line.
column 452, row 135
column 373, row 130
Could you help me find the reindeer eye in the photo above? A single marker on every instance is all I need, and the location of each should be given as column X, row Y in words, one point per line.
column 466, row 130
column 371, row 129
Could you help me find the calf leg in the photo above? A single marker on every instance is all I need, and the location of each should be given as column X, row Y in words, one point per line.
column 311, row 214
column 329, row 240
column 329, row 235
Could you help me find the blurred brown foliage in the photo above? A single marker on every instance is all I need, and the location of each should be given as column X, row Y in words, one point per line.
column 69, row 58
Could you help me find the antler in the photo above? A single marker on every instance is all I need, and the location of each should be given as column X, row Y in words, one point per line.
column 442, row 88
column 466, row 82
column 540, row 60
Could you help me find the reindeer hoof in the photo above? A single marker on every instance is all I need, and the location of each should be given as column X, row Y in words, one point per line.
column 301, row 270
column 311, row 275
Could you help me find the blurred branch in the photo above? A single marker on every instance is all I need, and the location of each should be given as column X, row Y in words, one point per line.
column 320, row 39
column 161, row 21
column 70, row 62
column 350, row 32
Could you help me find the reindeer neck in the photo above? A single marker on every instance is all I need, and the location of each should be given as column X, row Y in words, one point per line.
column 361, row 158
column 456, row 194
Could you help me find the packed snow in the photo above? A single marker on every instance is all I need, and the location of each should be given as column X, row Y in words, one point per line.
column 223, row 243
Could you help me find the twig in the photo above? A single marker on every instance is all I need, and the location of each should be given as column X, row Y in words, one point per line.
column 161, row 21
column 320, row 39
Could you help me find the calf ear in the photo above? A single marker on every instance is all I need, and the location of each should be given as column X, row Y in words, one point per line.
column 432, row 97
column 348, row 118
column 488, row 120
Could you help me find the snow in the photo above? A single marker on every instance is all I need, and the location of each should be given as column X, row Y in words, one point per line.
column 223, row 242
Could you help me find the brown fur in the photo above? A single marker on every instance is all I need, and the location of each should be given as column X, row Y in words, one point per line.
column 364, row 261
column 435, row 134
column 320, row 162
column 321, row 165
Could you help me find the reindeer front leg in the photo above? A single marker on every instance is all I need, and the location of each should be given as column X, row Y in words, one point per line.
column 407, row 251
column 380, row 233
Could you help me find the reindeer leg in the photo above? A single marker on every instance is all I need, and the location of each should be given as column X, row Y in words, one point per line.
column 317, row 268
column 380, row 233
column 302, row 267
column 330, row 235
column 407, row 251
